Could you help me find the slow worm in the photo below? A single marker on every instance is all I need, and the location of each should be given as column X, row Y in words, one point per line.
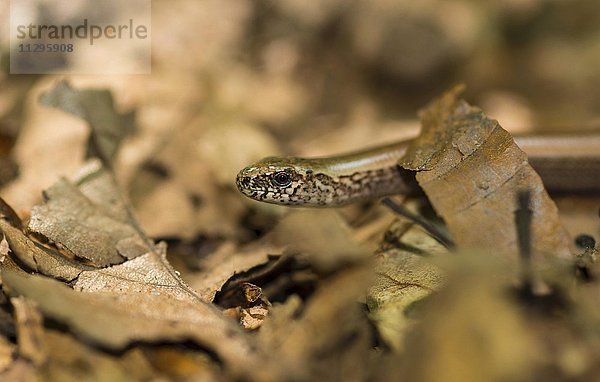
column 566, row 163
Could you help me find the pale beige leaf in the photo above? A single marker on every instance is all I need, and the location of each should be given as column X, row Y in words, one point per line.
column 71, row 219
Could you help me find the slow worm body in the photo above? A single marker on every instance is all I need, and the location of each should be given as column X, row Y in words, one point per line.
column 566, row 163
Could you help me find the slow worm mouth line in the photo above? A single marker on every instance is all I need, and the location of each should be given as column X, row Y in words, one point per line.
column 251, row 190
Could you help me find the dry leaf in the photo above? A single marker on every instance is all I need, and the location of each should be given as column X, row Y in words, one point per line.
column 252, row 307
column 72, row 220
column 226, row 262
column 38, row 258
column 115, row 318
column 50, row 144
column 30, row 332
column 98, row 185
column 4, row 249
column 19, row 370
column 471, row 170
column 252, row 318
column 96, row 107
column 71, row 361
column 7, row 350
column 330, row 339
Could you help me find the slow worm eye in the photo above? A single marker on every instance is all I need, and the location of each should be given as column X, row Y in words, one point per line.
column 281, row 179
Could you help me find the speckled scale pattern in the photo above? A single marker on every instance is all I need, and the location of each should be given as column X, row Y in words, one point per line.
column 326, row 181
column 310, row 188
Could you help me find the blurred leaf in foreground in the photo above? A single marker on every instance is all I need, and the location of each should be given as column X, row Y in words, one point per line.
column 472, row 330
column 132, row 312
column 405, row 276
column 330, row 339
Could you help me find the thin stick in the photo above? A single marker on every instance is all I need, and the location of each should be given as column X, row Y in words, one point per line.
column 523, row 216
column 438, row 235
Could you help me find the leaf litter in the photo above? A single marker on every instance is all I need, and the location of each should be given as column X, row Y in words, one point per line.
column 308, row 300
column 141, row 298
